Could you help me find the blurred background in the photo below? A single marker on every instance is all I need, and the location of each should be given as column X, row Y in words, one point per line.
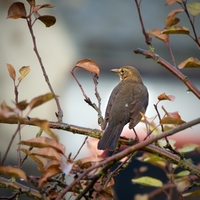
column 106, row 32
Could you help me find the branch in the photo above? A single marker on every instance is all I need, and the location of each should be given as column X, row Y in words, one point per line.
column 168, row 66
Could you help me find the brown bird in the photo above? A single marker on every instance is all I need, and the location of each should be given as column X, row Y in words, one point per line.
column 127, row 100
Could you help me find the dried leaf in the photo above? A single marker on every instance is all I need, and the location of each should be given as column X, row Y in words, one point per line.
column 37, row 101
column 48, row 20
column 11, row 71
column 176, row 30
column 190, row 63
column 31, row 2
column 157, row 34
column 163, row 96
column 51, row 171
column 22, row 105
column 175, row 11
column 193, row 8
column 171, row 20
column 170, row 2
column 148, row 181
column 43, row 142
column 37, row 7
column 48, row 152
column 17, row 10
column 24, row 71
column 13, row 172
column 171, row 120
column 88, row 65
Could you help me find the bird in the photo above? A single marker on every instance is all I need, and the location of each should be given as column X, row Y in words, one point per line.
column 127, row 100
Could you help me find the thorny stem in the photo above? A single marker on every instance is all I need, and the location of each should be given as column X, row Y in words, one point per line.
column 30, row 26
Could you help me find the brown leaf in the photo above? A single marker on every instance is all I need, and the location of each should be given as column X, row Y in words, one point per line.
column 51, row 171
column 22, row 105
column 176, row 30
column 31, row 2
column 13, row 172
column 157, row 34
column 37, row 101
column 175, row 11
column 163, row 96
column 48, row 152
column 37, row 7
column 17, row 10
column 172, row 119
column 190, row 63
column 11, row 71
column 88, row 65
column 171, row 20
column 43, row 142
column 24, row 71
column 48, row 20
column 170, row 2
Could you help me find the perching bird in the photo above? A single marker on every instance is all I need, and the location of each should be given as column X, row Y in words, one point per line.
column 127, row 100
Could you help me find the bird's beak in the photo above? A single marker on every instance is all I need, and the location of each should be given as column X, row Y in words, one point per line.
column 115, row 70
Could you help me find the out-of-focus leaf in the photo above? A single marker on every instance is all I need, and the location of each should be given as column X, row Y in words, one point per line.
column 43, row 142
column 148, row 181
column 163, row 96
column 16, row 10
column 66, row 167
column 22, row 105
column 175, row 11
column 48, row 152
column 88, row 65
column 48, row 20
column 157, row 34
column 182, row 183
column 190, row 63
column 11, row 71
column 31, row 2
column 51, row 171
column 193, row 8
column 171, row 120
column 176, row 30
column 37, row 7
column 196, row 193
column 182, row 173
column 13, row 172
column 170, row 2
column 171, row 20
column 141, row 197
column 37, row 101
column 24, row 71
column 189, row 148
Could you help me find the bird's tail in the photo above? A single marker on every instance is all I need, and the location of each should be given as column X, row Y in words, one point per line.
column 110, row 137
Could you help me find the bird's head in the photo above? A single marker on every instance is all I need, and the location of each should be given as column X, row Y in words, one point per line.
column 128, row 73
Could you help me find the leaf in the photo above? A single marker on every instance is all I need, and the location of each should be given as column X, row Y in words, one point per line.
column 163, row 96
column 48, row 20
column 176, row 30
column 38, row 7
column 11, row 71
column 157, row 34
column 51, row 171
column 36, row 159
column 31, row 2
column 48, row 152
column 24, row 71
column 170, row 2
column 182, row 173
column 17, row 10
column 175, row 11
column 148, row 181
column 13, row 172
column 43, row 142
column 171, row 20
column 193, row 8
column 88, row 65
column 22, row 105
column 66, row 167
column 37, row 101
column 189, row 148
column 196, row 193
column 171, row 120
column 190, row 63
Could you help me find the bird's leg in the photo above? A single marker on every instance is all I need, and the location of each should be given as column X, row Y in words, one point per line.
column 136, row 136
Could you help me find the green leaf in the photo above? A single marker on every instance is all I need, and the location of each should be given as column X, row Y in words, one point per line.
column 148, row 181
column 189, row 148
column 176, row 30
column 193, row 8
column 182, row 173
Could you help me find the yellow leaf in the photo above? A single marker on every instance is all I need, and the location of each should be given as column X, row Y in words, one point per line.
column 171, row 20
column 13, row 172
column 193, row 8
column 190, row 63
column 148, row 181
column 11, row 71
column 176, row 30
column 88, row 65
column 24, row 71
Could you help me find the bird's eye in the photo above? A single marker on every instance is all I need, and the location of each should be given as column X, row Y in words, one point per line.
column 122, row 71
